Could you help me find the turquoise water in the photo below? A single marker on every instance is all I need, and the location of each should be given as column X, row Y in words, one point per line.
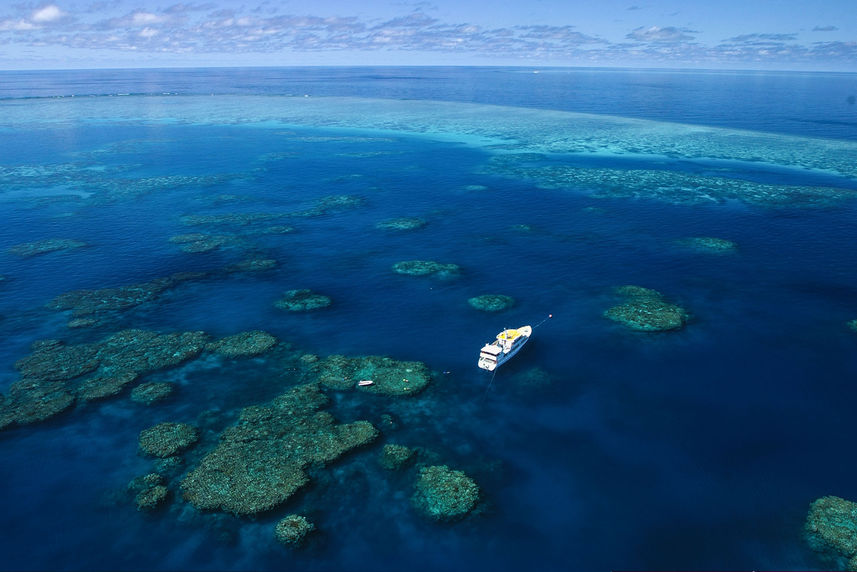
column 597, row 447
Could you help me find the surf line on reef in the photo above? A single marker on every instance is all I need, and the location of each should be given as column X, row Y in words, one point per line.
column 494, row 373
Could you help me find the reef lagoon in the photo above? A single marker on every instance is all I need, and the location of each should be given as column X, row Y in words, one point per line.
column 198, row 267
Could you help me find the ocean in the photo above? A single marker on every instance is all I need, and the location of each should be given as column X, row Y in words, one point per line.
column 174, row 201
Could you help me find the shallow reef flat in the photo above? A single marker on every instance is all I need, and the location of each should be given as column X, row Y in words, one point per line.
column 545, row 147
column 487, row 126
column 665, row 185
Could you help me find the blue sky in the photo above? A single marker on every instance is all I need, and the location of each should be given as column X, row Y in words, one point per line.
column 736, row 34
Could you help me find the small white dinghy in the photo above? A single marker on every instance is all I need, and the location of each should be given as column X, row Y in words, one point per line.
column 507, row 344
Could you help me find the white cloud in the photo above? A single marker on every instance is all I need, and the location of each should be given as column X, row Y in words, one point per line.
column 146, row 18
column 207, row 29
column 16, row 25
column 49, row 13
column 658, row 34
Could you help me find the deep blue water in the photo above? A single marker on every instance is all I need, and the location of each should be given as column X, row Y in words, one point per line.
column 694, row 449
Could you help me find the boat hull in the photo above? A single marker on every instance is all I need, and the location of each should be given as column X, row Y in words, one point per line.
column 494, row 355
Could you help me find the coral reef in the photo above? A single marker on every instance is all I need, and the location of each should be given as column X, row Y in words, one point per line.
column 491, row 302
column 29, row 249
column 104, row 185
column 831, row 529
column 151, row 498
column 663, row 185
column 253, row 265
column 260, row 462
column 646, row 310
column 151, row 392
column 200, row 242
column 149, row 490
column 390, row 377
column 426, row 268
column 330, row 203
column 31, row 401
column 54, row 375
column 302, row 301
column 167, row 439
column 82, row 323
column 278, row 229
column 444, row 494
column 708, row 244
column 394, row 457
column 401, row 223
column 95, row 303
column 231, row 219
column 102, row 386
column 244, row 344
column 293, row 529
column 169, row 465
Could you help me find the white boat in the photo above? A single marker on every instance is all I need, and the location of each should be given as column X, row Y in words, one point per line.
column 507, row 344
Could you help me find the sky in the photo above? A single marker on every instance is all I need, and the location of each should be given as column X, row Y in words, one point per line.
column 709, row 34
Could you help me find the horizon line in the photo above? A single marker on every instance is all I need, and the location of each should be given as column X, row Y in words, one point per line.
column 534, row 69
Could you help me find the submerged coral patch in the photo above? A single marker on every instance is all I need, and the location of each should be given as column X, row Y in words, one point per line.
column 293, row 529
column 331, row 203
column 394, row 457
column 149, row 490
column 253, row 265
column 426, row 268
column 31, row 401
column 401, row 223
column 167, row 439
column 708, row 244
column 102, row 386
column 151, row 498
column 151, row 392
column 491, row 302
column 646, row 310
column 244, row 344
column 93, row 184
column 231, row 219
column 200, row 242
column 30, row 249
column 444, row 494
column 94, row 303
column 388, row 376
column 54, row 375
column 669, row 186
column 259, row 462
column 303, row 300
column 831, row 529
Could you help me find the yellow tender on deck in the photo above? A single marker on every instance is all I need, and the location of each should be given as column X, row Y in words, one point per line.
column 509, row 335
